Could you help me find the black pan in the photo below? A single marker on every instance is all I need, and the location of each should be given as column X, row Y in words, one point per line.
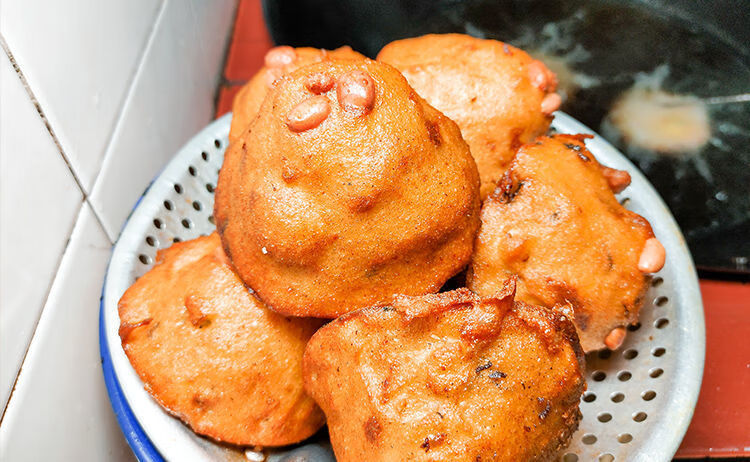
column 691, row 47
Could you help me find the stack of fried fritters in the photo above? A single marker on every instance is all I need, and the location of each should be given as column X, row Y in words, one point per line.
column 345, row 195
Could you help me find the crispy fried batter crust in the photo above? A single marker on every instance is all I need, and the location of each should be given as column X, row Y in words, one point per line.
column 448, row 377
column 323, row 217
column 248, row 100
column 482, row 85
column 211, row 354
column 554, row 221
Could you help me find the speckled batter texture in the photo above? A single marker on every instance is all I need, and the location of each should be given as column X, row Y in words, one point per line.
column 448, row 376
column 211, row 354
column 555, row 222
column 498, row 95
column 338, row 198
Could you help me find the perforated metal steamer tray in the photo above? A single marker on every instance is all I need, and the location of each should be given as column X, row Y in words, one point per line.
column 640, row 398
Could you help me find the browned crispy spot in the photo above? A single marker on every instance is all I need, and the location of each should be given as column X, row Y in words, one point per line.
column 497, row 375
column 431, row 441
column 567, row 295
column 320, row 82
column 581, row 138
column 507, row 189
column 384, row 389
column 127, row 327
column 578, row 150
column 482, row 367
column 195, row 307
column 373, row 429
column 413, row 97
column 433, row 304
column 389, row 385
column 515, row 138
column 563, row 329
column 203, row 400
column 544, row 406
column 434, row 132
column 485, row 323
column 412, row 307
column 288, row 174
column 362, row 204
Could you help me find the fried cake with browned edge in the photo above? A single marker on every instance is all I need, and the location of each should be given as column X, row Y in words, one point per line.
column 211, row 354
column 498, row 95
column 555, row 222
column 346, row 189
column 448, row 377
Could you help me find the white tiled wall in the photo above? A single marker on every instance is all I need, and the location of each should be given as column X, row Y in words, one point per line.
column 59, row 394
column 79, row 57
column 39, row 201
column 121, row 86
column 171, row 99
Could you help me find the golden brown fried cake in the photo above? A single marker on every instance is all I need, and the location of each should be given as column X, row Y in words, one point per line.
column 498, row 95
column 555, row 222
column 278, row 61
column 448, row 377
column 212, row 354
column 347, row 188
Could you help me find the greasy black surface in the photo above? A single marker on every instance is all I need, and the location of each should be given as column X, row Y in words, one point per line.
column 708, row 191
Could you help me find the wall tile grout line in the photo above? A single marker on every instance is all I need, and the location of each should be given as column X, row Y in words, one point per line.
column 39, row 110
column 123, row 108
column 48, row 126
column 123, row 103
column 44, row 303
column 112, row 166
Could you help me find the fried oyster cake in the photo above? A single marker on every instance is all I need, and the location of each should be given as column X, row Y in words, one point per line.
column 277, row 62
column 498, row 95
column 448, row 376
column 555, row 222
column 347, row 188
column 211, row 354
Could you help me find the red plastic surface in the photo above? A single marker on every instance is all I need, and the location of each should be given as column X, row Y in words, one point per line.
column 226, row 96
column 721, row 424
column 250, row 40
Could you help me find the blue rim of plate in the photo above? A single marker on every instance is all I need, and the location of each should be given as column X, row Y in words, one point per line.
column 139, row 443
column 142, row 447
